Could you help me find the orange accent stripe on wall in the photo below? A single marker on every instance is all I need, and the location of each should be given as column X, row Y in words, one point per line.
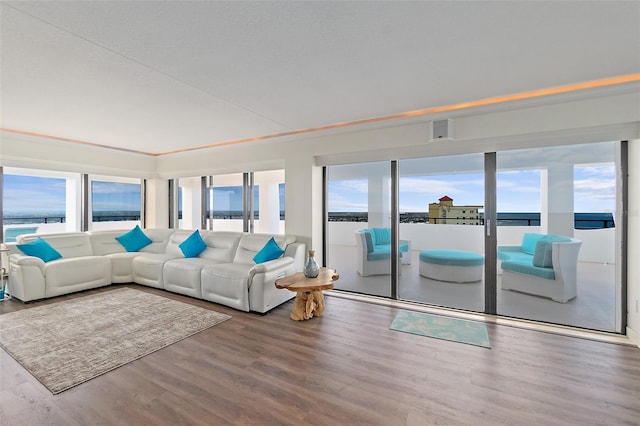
column 57, row 138
column 454, row 107
column 483, row 102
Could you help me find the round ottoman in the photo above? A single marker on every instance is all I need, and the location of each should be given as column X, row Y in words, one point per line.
column 457, row 266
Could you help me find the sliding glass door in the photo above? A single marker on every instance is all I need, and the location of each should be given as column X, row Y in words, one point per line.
column 552, row 253
column 441, row 206
column 557, row 233
column 359, row 227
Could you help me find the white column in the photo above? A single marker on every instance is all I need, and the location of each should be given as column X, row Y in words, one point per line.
column 157, row 203
column 73, row 204
column 559, row 199
column 269, row 207
column 191, row 202
column 303, row 202
column 378, row 196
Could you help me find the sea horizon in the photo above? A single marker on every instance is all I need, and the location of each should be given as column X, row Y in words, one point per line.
column 583, row 220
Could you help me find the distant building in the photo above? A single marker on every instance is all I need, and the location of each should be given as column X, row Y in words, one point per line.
column 444, row 212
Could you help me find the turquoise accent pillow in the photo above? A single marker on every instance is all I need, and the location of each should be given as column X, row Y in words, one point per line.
column 39, row 248
column 369, row 239
column 134, row 240
column 193, row 246
column 542, row 255
column 269, row 251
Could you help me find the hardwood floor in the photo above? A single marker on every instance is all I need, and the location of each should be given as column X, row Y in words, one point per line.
column 343, row 368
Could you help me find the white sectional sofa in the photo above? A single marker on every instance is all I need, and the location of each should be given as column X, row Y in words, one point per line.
column 224, row 272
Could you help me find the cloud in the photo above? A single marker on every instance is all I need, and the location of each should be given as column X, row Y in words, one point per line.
column 355, row 185
column 340, row 203
column 101, row 187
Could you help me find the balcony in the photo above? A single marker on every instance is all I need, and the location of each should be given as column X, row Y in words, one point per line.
column 593, row 308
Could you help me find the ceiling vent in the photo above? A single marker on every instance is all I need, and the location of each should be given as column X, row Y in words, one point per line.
column 441, row 129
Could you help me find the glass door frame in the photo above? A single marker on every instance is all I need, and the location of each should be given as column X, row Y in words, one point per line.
column 490, row 232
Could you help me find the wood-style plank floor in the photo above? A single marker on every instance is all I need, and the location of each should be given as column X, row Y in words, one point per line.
column 343, row 368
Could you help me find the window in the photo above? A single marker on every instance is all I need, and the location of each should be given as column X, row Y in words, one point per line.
column 115, row 203
column 39, row 201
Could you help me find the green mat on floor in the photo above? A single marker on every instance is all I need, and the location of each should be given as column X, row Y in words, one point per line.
column 440, row 327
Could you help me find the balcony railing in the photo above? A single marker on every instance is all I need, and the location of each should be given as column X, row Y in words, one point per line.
column 581, row 220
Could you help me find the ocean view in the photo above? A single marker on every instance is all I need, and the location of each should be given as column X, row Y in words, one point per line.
column 581, row 220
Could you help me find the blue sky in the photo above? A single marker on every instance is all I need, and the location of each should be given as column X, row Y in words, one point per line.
column 230, row 197
column 43, row 194
column 518, row 191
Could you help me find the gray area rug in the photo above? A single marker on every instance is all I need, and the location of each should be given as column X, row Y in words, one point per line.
column 67, row 343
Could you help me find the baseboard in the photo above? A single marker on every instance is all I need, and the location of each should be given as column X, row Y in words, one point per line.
column 633, row 336
column 600, row 336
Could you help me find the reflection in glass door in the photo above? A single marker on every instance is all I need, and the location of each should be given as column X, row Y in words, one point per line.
column 441, row 206
column 557, row 233
column 359, row 227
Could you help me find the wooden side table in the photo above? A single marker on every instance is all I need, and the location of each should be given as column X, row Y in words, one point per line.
column 309, row 298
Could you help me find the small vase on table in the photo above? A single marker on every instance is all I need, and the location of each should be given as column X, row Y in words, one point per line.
column 311, row 269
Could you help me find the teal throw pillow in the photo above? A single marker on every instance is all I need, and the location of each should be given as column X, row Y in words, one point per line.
column 39, row 248
column 134, row 240
column 542, row 256
column 193, row 246
column 543, row 253
column 369, row 239
column 270, row 251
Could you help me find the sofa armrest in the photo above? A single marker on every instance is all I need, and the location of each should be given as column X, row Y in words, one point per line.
column 263, row 294
column 26, row 281
column 271, row 265
column 24, row 260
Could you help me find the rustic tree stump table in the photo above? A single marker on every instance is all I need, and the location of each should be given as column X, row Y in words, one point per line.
column 309, row 298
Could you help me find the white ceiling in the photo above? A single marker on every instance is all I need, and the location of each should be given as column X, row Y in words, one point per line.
column 171, row 75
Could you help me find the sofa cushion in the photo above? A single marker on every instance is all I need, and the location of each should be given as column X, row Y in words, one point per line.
column 516, row 255
column 121, row 266
column 68, row 244
column 250, row 244
column 529, row 241
column 368, row 238
column 383, row 251
column 41, row 249
column 183, row 275
column 134, row 240
column 76, row 273
column 193, row 246
column 269, row 251
column 146, row 268
column 381, row 236
column 379, row 254
column 221, row 245
column 451, row 257
column 528, row 269
column 227, row 284
column 542, row 257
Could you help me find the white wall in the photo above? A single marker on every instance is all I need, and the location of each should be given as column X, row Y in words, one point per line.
column 28, row 152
